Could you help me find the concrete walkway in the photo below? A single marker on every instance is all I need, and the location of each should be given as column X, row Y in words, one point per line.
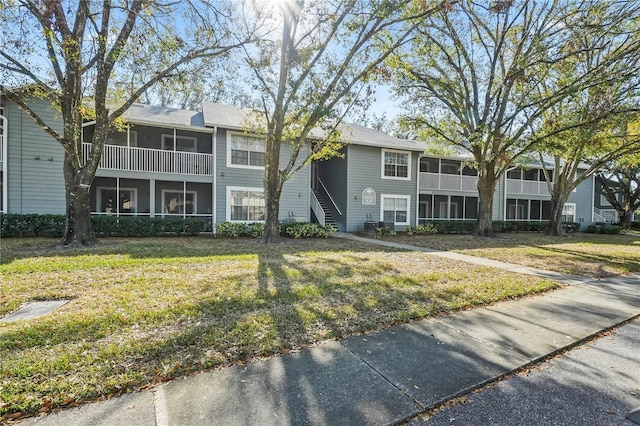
column 384, row 377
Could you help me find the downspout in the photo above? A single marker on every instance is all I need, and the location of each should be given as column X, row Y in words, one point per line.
column 214, row 190
column 418, row 189
column 5, row 155
column 593, row 196
column 504, row 188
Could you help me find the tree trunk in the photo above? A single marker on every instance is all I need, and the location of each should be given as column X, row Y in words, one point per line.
column 271, row 231
column 272, row 191
column 554, row 227
column 486, row 189
column 78, row 230
column 625, row 219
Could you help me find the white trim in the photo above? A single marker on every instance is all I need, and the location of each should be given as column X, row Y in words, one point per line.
column 593, row 196
column 214, row 187
column 405, row 197
column 118, row 190
column 184, row 193
column 175, row 137
column 383, row 151
column 5, row 155
column 228, row 201
column 244, row 166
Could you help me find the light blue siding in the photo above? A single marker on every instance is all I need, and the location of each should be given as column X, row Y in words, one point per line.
column 365, row 171
column 295, row 192
column 583, row 199
column 499, row 200
column 35, row 162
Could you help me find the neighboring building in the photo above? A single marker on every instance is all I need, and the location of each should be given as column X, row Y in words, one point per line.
column 171, row 162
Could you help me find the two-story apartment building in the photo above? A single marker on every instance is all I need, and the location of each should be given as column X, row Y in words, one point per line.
column 171, row 162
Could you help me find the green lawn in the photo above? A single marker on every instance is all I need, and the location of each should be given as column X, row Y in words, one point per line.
column 591, row 255
column 145, row 310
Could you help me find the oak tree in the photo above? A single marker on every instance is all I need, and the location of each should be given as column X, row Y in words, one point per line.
column 77, row 54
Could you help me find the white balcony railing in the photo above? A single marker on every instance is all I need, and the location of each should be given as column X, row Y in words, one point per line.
column 527, row 187
column 317, row 208
column 605, row 215
column 135, row 159
column 449, row 182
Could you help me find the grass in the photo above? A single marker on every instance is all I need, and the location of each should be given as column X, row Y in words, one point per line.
column 591, row 255
column 142, row 311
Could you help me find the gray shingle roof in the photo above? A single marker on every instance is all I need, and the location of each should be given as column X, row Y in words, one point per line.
column 236, row 118
column 232, row 117
column 169, row 116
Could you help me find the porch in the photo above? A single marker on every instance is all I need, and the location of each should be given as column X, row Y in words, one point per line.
column 152, row 198
column 129, row 158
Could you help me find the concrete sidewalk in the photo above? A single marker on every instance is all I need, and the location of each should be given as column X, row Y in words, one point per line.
column 384, row 377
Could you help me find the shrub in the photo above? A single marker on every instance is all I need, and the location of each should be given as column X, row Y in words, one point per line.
column 592, row 229
column 380, row 232
column 233, row 229
column 33, row 225
column 306, row 230
column 256, row 229
column 611, row 229
column 422, row 229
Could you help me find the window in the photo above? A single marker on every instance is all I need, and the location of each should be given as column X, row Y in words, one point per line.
column 471, row 207
column 126, row 138
column 184, row 143
column 515, row 209
column 446, row 207
column 179, row 202
column 395, row 209
column 245, row 204
column 112, row 201
column 514, row 174
column 450, row 167
column 468, row 171
column 569, row 212
column 429, row 165
column 245, row 151
column 543, row 178
column 395, row 165
column 531, row 174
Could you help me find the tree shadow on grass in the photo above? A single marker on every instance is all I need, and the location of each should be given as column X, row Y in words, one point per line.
column 292, row 304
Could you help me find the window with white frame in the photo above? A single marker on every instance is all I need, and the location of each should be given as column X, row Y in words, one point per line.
column 396, row 165
column 179, row 202
column 126, row 138
column 395, row 209
column 116, row 201
column 245, row 151
column 569, row 212
column 245, row 204
column 179, row 143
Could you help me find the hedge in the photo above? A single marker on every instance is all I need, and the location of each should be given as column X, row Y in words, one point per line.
column 256, row 230
column 467, row 226
column 50, row 225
